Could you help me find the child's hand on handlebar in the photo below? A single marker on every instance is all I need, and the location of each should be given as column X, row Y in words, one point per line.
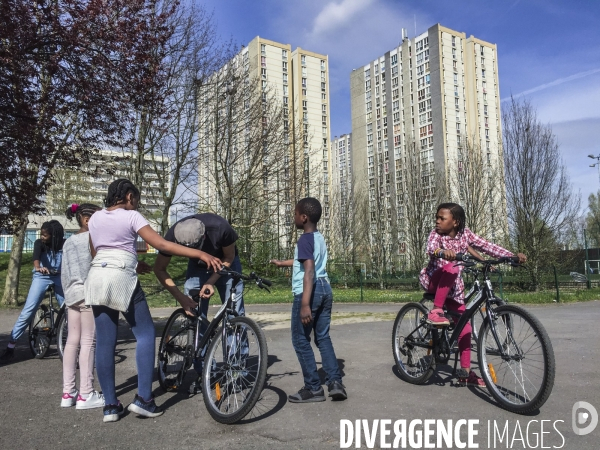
column 449, row 255
column 212, row 263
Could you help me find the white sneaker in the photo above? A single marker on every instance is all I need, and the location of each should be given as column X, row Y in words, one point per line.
column 68, row 400
column 93, row 400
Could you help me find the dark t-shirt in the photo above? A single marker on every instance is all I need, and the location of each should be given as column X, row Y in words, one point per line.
column 39, row 247
column 218, row 232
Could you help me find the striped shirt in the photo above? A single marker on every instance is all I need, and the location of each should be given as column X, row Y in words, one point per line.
column 458, row 244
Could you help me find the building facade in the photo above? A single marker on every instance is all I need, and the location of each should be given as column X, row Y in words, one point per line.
column 90, row 184
column 290, row 158
column 341, row 162
column 420, row 113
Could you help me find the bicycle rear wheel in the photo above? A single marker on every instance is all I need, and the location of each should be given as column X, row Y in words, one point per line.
column 40, row 330
column 175, row 351
column 411, row 341
column 520, row 374
column 235, row 370
column 63, row 330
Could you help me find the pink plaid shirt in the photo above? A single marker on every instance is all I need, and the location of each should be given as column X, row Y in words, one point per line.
column 459, row 244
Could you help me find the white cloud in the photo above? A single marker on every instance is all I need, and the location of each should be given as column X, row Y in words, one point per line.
column 334, row 14
column 555, row 83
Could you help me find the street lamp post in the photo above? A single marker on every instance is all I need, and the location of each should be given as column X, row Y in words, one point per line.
column 596, row 164
column 587, row 263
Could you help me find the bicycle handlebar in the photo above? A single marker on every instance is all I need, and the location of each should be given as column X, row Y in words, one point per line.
column 260, row 282
column 467, row 258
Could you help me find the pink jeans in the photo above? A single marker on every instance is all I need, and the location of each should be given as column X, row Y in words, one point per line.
column 81, row 338
column 440, row 284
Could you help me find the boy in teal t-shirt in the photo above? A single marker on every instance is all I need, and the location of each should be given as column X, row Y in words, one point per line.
column 311, row 310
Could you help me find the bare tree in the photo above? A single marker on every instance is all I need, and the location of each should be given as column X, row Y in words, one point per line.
column 476, row 182
column 540, row 199
column 247, row 167
column 420, row 199
column 593, row 219
column 164, row 155
column 349, row 225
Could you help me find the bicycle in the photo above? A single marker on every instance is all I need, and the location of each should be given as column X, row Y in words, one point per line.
column 235, row 346
column 514, row 351
column 476, row 319
column 47, row 323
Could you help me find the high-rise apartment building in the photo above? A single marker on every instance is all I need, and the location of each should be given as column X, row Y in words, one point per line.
column 90, row 184
column 341, row 162
column 295, row 83
column 436, row 96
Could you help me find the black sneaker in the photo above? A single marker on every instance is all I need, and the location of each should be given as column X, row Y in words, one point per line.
column 337, row 391
column 7, row 356
column 112, row 413
column 306, row 395
column 144, row 408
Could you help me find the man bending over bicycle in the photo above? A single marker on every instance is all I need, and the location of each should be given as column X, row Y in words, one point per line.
column 442, row 277
column 211, row 234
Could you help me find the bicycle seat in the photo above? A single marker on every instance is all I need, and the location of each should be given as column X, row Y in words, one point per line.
column 50, row 288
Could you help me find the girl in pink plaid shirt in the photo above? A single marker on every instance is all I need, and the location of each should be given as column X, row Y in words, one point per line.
column 442, row 277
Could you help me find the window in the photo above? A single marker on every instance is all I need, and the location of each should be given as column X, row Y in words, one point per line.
column 456, row 104
column 304, row 71
column 303, row 82
column 303, row 60
column 367, row 85
column 322, row 64
column 285, row 100
column 394, row 60
column 263, row 72
column 368, row 73
column 324, row 120
column 284, row 66
column 324, row 108
column 304, row 92
column 304, row 105
column 322, row 87
column 263, row 49
column 263, row 61
column 305, row 116
column 453, row 41
column 285, row 78
column 285, row 90
column 482, row 73
column 323, row 97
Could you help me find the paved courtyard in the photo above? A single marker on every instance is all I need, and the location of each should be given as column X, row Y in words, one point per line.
column 30, row 390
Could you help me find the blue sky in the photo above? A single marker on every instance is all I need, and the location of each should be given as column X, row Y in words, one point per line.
column 548, row 51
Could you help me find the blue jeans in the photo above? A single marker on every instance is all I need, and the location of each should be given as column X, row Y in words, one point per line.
column 39, row 284
column 320, row 303
column 139, row 319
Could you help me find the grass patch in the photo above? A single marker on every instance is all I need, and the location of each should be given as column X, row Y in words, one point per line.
column 281, row 290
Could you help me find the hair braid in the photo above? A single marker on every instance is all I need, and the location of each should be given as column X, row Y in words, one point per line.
column 81, row 211
column 118, row 190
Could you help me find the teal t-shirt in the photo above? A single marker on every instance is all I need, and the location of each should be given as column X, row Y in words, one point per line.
column 309, row 246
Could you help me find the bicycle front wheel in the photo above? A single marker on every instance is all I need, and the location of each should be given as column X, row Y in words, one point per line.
column 411, row 344
column 175, row 350
column 40, row 330
column 520, row 372
column 235, row 370
column 63, row 330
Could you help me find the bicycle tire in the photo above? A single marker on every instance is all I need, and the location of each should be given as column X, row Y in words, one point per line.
column 63, row 331
column 174, row 351
column 233, row 380
column 40, row 330
column 408, row 323
column 530, row 385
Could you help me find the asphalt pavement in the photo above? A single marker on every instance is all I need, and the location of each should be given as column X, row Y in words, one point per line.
column 31, row 416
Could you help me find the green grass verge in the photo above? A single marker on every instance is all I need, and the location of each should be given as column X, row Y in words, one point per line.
column 281, row 291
